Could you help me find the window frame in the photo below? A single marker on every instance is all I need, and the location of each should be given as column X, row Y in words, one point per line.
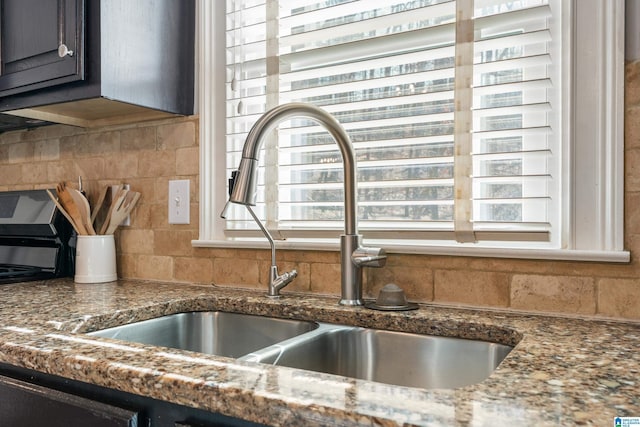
column 591, row 231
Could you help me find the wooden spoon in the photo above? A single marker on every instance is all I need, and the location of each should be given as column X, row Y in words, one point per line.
column 83, row 207
column 70, row 206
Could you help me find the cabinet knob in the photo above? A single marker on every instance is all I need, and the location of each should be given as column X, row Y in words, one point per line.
column 63, row 51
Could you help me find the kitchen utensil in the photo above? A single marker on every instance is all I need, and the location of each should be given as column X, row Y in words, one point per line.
column 117, row 201
column 63, row 210
column 72, row 209
column 101, row 208
column 83, row 207
column 123, row 210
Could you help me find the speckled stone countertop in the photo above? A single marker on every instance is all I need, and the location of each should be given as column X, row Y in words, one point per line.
column 563, row 371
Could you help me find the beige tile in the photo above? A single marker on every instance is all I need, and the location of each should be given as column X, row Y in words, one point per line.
column 508, row 265
column 568, row 294
column 56, row 131
column 232, row 253
column 187, row 161
column 21, row 152
column 136, row 241
column 632, row 170
column 325, row 278
column 236, row 271
column 632, row 127
column 124, row 165
column 159, row 216
column 12, row 137
column 141, row 215
column 11, row 174
column 195, row 270
column 68, row 146
column 194, row 188
column 60, row 170
column 145, row 186
column 173, row 242
column 103, row 143
column 138, row 138
column 154, row 267
column 88, row 168
column 328, row 257
column 33, row 173
column 95, row 143
column 619, row 298
column 632, row 213
column 157, row 164
column 176, row 135
column 126, row 265
column 472, row 287
column 161, row 189
column 632, row 83
column 34, row 134
column 47, row 150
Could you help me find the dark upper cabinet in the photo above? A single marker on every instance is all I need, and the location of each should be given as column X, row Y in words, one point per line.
column 131, row 60
column 42, row 44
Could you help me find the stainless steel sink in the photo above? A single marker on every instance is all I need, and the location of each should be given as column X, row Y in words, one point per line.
column 211, row 332
column 396, row 358
column 389, row 357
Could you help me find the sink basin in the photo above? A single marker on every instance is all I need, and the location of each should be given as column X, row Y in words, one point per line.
column 212, row 332
column 397, row 358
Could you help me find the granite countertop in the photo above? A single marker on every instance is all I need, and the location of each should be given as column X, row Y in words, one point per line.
column 563, row 371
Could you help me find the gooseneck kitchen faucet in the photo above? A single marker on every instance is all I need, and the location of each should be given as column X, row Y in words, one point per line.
column 353, row 256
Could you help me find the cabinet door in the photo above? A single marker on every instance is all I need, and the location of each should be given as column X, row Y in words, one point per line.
column 41, row 44
column 27, row 405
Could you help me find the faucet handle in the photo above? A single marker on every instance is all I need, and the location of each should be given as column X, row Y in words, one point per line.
column 279, row 281
column 369, row 257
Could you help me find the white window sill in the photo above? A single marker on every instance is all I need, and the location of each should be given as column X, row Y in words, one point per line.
column 467, row 250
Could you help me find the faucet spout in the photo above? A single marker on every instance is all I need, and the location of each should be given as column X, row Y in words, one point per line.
column 244, row 192
column 353, row 255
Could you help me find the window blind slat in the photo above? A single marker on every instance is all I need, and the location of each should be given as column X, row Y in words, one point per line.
column 433, row 37
column 375, row 25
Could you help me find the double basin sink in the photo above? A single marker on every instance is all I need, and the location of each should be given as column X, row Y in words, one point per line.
column 397, row 358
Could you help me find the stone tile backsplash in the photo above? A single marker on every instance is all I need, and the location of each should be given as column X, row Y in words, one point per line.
column 149, row 154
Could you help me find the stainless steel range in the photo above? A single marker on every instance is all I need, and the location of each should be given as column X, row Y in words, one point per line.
column 36, row 241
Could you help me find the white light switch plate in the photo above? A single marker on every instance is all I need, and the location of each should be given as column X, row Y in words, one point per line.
column 179, row 201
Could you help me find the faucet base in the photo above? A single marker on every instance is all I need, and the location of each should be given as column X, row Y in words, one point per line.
column 351, row 302
column 351, row 274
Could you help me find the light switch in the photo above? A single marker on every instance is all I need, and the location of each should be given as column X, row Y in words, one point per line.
column 179, row 201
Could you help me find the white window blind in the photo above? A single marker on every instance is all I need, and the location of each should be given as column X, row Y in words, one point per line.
column 452, row 120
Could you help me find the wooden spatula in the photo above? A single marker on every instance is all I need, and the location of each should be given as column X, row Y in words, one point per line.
column 117, row 201
column 70, row 206
column 83, row 207
column 121, row 212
